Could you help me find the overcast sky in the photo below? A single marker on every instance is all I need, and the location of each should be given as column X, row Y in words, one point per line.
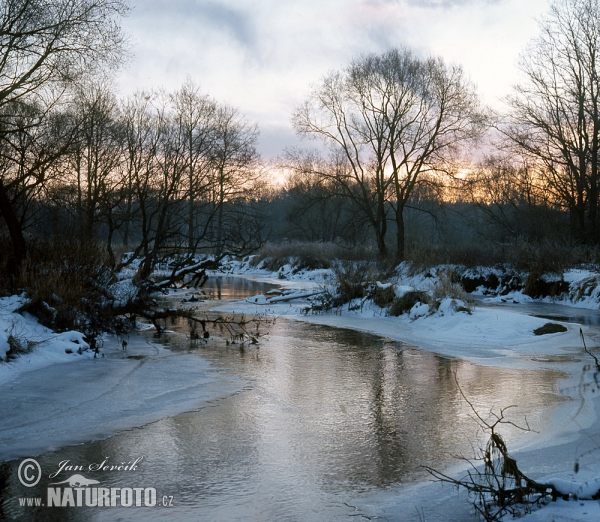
column 262, row 56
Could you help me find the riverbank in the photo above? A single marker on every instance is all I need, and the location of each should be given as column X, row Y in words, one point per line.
column 493, row 336
column 78, row 397
column 63, row 390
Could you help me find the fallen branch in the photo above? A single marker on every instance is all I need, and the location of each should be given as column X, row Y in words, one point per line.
column 495, row 480
column 239, row 328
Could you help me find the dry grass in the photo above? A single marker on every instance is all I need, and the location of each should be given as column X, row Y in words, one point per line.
column 65, row 281
column 448, row 285
column 404, row 304
column 308, row 255
column 355, row 279
column 547, row 256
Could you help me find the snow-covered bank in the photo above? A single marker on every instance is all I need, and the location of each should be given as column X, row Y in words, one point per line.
column 40, row 346
column 488, row 336
column 72, row 397
column 146, row 381
column 546, row 459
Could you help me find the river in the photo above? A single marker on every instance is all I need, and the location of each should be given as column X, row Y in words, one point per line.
column 321, row 416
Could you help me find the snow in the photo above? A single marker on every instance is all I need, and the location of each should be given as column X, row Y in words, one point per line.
column 581, row 491
column 488, row 336
column 100, row 396
column 419, row 310
column 515, row 297
column 258, row 299
column 71, row 396
column 124, row 291
column 402, row 290
column 41, row 347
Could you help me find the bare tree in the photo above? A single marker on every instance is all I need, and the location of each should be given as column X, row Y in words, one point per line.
column 31, row 153
column 159, row 177
column 316, row 211
column 138, row 122
column 191, row 168
column 97, row 151
column 234, row 166
column 555, row 115
column 44, row 46
column 512, row 198
column 195, row 119
column 388, row 119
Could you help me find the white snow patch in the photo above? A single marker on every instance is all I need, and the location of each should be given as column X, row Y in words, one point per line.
column 258, row 299
column 123, row 291
column 419, row 310
column 40, row 346
column 402, row 290
column 510, row 297
column 582, row 491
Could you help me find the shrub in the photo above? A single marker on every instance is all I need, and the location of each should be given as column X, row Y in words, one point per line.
column 448, row 285
column 65, row 282
column 383, row 296
column 354, row 279
column 404, row 304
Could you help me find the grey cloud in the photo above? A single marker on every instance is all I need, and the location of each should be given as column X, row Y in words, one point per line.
column 217, row 14
column 445, row 4
column 224, row 17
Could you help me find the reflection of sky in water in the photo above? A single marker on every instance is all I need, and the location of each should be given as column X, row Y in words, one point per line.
column 327, row 413
column 230, row 287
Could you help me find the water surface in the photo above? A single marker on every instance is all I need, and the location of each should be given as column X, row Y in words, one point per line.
column 325, row 414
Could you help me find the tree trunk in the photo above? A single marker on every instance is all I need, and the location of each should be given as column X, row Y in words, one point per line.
column 221, row 202
column 380, row 230
column 191, row 245
column 593, row 212
column 111, row 229
column 14, row 230
column 577, row 224
column 593, row 184
column 400, row 235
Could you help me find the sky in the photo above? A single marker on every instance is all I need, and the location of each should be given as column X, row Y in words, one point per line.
column 263, row 56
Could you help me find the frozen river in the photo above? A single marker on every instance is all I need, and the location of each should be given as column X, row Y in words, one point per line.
column 312, row 418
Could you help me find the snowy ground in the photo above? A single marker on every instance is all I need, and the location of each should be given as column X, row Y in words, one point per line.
column 73, row 397
column 102, row 396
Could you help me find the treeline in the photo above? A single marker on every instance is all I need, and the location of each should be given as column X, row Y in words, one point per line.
column 157, row 171
column 481, row 220
column 394, row 124
column 153, row 171
column 178, row 172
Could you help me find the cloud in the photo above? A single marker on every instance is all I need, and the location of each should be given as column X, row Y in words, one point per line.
column 205, row 19
column 446, row 4
column 234, row 21
column 441, row 4
column 263, row 55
